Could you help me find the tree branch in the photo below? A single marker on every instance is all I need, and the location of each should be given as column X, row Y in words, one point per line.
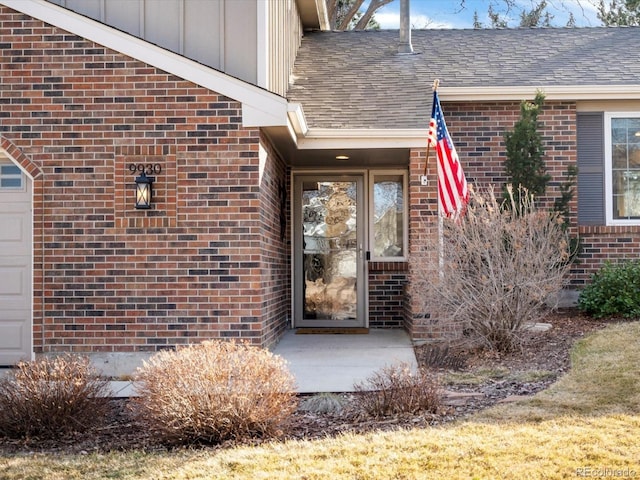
column 355, row 6
column 373, row 6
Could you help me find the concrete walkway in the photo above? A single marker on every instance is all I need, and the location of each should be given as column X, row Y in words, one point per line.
column 333, row 363
column 319, row 362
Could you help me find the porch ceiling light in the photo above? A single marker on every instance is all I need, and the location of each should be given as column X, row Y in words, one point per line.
column 144, row 191
column 342, row 157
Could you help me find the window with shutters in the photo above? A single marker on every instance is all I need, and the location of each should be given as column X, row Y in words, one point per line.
column 622, row 168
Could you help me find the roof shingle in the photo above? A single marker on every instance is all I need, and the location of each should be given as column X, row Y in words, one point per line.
column 358, row 80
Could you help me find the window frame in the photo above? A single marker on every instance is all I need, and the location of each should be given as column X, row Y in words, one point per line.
column 608, row 169
column 405, row 213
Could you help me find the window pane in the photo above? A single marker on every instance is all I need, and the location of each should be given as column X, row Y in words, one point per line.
column 9, row 170
column 10, row 176
column 388, row 216
column 619, row 156
column 633, row 130
column 634, row 156
column 619, row 135
column 10, row 182
column 619, row 182
column 625, row 162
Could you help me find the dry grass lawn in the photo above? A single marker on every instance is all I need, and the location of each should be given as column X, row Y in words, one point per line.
column 585, row 425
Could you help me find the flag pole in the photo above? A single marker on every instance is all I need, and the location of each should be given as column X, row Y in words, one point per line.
column 434, row 88
column 436, row 84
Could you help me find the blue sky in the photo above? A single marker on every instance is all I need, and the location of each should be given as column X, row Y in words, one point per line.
column 449, row 14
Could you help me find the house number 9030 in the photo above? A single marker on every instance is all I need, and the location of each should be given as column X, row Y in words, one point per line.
column 147, row 168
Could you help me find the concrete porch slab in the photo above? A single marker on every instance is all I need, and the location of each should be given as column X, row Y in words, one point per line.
column 319, row 362
column 333, row 363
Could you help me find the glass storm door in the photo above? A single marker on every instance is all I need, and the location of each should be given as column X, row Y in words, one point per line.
column 328, row 249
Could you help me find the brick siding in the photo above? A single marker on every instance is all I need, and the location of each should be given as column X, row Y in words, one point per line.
column 477, row 130
column 601, row 244
column 387, row 284
column 208, row 261
column 211, row 259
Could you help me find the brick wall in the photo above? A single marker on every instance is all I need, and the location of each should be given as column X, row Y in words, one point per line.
column 601, row 244
column 276, row 247
column 423, row 228
column 477, row 131
column 207, row 261
column 387, row 283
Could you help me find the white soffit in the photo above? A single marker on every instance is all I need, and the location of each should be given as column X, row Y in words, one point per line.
column 320, row 138
column 307, row 138
column 260, row 108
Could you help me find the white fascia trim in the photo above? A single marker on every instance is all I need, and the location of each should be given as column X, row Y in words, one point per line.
column 326, row 138
column 551, row 92
column 298, row 127
column 260, row 108
column 323, row 15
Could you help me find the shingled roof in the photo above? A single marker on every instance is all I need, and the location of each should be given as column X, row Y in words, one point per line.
column 357, row 80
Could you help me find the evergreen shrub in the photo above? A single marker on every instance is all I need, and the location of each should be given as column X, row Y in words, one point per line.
column 614, row 290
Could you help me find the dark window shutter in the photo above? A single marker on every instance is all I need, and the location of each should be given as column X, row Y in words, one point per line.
column 591, row 201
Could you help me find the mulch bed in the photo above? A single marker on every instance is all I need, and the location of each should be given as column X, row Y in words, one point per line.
column 542, row 351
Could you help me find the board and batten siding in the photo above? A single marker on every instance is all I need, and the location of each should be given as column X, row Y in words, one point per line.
column 284, row 37
column 254, row 40
column 221, row 34
column 591, row 201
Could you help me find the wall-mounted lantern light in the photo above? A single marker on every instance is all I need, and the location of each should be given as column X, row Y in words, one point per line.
column 144, row 191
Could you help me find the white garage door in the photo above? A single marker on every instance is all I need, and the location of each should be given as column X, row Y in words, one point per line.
column 15, row 263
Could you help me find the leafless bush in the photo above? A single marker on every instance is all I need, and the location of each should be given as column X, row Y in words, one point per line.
column 52, row 397
column 397, row 389
column 212, row 392
column 496, row 271
column 441, row 355
column 324, row 402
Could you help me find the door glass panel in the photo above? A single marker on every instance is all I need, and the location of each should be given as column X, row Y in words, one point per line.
column 330, row 250
column 388, row 216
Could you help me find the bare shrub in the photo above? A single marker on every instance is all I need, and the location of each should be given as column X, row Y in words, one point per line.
column 52, row 397
column 212, row 392
column 497, row 269
column 324, row 402
column 397, row 389
column 441, row 355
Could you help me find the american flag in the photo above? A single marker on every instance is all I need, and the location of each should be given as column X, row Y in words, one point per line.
column 453, row 194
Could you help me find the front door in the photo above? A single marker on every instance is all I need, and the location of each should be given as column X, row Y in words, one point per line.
column 328, row 249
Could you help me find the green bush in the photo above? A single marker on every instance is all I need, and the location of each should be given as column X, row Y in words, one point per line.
column 52, row 397
column 614, row 290
column 213, row 392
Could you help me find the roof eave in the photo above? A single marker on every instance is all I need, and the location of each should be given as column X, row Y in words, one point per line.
column 314, row 14
column 308, row 137
column 551, row 92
